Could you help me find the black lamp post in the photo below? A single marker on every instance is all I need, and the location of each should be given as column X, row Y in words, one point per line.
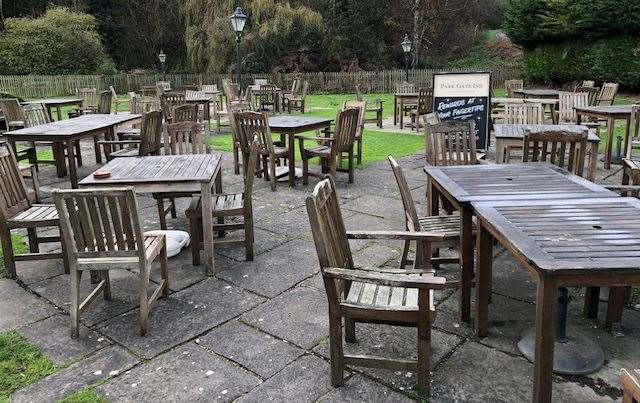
column 406, row 48
column 238, row 19
column 163, row 59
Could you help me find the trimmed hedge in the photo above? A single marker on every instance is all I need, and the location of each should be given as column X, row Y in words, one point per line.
column 611, row 59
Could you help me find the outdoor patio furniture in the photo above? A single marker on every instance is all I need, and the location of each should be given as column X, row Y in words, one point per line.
column 569, row 101
column 630, row 387
column 286, row 95
column 167, row 173
column 165, row 85
column 511, row 85
column 151, row 90
column 431, row 119
column 330, row 149
column 425, row 106
column 375, row 106
column 561, row 148
column 182, row 138
column 588, row 83
column 549, row 106
column 149, row 143
column 524, row 114
column 227, row 205
column 233, row 109
column 89, row 98
column 102, row 232
column 361, row 106
column 364, row 295
column 58, row 104
column 297, row 102
column 452, row 143
column 266, row 98
column 168, row 101
column 28, row 171
column 185, row 113
column 405, row 99
column 187, row 87
column 592, row 93
column 607, row 94
column 17, row 212
column 634, row 131
column 15, row 119
column 536, row 93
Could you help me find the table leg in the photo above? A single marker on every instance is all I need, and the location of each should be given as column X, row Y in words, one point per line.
column 292, row 159
column 499, row 151
column 71, row 159
column 466, row 262
column 58, row 159
column 545, row 335
column 593, row 161
column 218, row 190
column 207, row 229
column 58, row 113
column 483, row 279
column 610, row 131
column 591, row 301
column 615, row 306
column 395, row 111
column 627, row 138
column 433, row 199
column 401, row 113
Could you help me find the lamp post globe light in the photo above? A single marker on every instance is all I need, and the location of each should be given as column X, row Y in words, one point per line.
column 406, row 48
column 238, row 20
column 163, row 59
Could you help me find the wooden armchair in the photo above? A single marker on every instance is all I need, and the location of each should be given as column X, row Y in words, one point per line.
column 567, row 102
column 227, row 205
column 375, row 106
column 14, row 119
column 408, row 105
column 149, row 143
column 607, row 94
column 425, row 106
column 168, row 101
column 102, row 232
column 17, row 212
column 185, row 113
column 521, row 114
column 630, row 387
column 361, row 106
column 265, row 98
column 593, row 93
column 89, row 98
column 510, row 86
column 330, row 149
column 298, row 102
column 286, row 95
column 564, row 149
column 452, row 143
column 182, row 138
column 409, row 293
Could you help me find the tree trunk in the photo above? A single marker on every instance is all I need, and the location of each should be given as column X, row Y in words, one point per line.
column 1, row 18
column 417, row 32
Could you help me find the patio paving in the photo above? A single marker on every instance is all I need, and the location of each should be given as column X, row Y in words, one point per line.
column 258, row 331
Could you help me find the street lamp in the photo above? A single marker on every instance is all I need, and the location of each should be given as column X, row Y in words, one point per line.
column 163, row 58
column 406, row 48
column 238, row 19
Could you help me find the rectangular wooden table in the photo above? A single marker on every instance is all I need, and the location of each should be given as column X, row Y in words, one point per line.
column 402, row 99
column 538, row 93
column 67, row 132
column 561, row 243
column 199, row 173
column 512, row 135
column 57, row 103
column 292, row 125
column 610, row 113
column 462, row 185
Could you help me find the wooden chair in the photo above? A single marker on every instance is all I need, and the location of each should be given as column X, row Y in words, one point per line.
column 588, row 83
column 168, row 101
column 187, row 87
column 209, row 89
column 425, row 106
column 15, row 119
column 149, row 143
column 375, row 106
column 298, row 102
column 260, row 81
column 593, row 93
column 286, row 95
column 510, row 86
column 254, row 125
column 452, row 143
column 524, row 114
column 151, row 90
column 89, row 98
column 361, row 106
column 185, row 113
column 567, row 102
column 17, row 212
column 165, row 85
column 408, row 105
column 564, row 149
column 634, row 131
column 409, row 301
column 102, row 232
column 630, row 387
column 330, row 149
column 227, row 205
column 233, row 109
column 607, row 94
column 182, row 138
column 266, row 98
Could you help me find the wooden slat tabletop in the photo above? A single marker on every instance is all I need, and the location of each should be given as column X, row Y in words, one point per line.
column 546, row 101
column 532, row 180
column 158, row 169
column 606, row 110
column 57, row 101
column 538, row 92
column 75, row 126
column 569, row 236
column 517, row 131
column 283, row 122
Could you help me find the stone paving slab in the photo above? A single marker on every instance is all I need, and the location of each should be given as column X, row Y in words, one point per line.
column 30, row 272
column 99, row 367
column 360, row 389
column 264, row 241
column 188, row 373
column 181, row 317
column 52, row 337
column 383, row 207
column 24, row 308
column 257, row 351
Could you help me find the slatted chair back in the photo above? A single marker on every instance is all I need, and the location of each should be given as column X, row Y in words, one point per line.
column 511, row 86
column 140, row 104
column 191, row 95
column 268, row 93
column 186, row 138
column 170, row 100
column 252, row 126
column 592, row 91
column 165, row 85
column 104, row 105
column 634, row 130
column 260, row 81
column 567, row 102
column 209, row 88
column 35, row 115
column 150, row 90
column 185, row 113
column 12, row 111
column 100, row 223
column 295, row 86
column 608, row 94
column 13, row 193
column 405, row 88
column 151, row 134
column 564, row 149
column 361, row 106
column 346, row 131
column 524, row 113
column 327, row 227
column 411, row 215
column 451, row 143
column 588, row 83
column 89, row 97
column 431, row 118
column 425, row 101
column 630, row 387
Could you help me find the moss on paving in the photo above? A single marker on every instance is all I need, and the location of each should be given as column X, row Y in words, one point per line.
column 84, row 396
column 21, row 364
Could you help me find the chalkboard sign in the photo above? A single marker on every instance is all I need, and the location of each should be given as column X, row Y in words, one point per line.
column 464, row 96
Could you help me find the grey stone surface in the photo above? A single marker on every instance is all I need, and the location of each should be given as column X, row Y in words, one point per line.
column 384, row 207
column 264, row 242
column 259, row 352
column 188, row 373
column 20, row 307
column 298, row 315
column 181, row 317
column 51, row 335
column 293, row 223
column 30, row 272
column 305, row 380
column 360, row 389
column 104, row 364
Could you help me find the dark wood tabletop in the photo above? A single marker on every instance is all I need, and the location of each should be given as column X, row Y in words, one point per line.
column 517, row 130
column 538, row 92
column 527, row 181
column 62, row 129
column 287, row 123
column 621, row 111
column 57, row 101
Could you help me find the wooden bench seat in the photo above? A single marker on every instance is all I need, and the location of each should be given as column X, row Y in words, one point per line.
column 385, row 297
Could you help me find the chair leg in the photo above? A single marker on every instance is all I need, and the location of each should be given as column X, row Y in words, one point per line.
column 195, row 226
column 75, row 303
column 161, row 216
column 349, row 330
column 424, row 343
column 236, row 162
column 265, row 167
column 405, row 254
column 274, row 178
column 305, row 171
column 65, row 256
column 96, row 149
column 164, row 270
column 359, row 145
column 248, row 235
column 78, row 154
column 32, row 236
column 174, row 214
column 107, row 285
column 335, row 347
column 351, row 165
column 7, row 249
column 144, row 301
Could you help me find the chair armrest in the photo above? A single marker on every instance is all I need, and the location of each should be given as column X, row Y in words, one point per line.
column 623, row 189
column 400, row 235
column 107, row 142
column 428, row 282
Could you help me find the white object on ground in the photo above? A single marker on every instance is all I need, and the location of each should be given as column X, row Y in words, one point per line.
column 176, row 240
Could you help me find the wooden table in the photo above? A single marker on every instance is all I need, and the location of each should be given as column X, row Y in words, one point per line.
column 402, row 99
column 292, row 125
column 561, row 243
column 511, row 135
column 64, row 133
column 57, row 103
column 549, row 104
column 610, row 113
column 206, row 103
column 199, row 173
column 538, row 93
column 462, row 185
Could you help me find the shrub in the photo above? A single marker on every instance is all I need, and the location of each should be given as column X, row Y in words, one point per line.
column 59, row 42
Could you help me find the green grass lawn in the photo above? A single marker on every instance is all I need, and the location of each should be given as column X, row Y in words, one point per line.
column 19, row 247
column 21, row 364
column 84, row 396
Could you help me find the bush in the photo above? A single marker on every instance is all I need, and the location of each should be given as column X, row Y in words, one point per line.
column 59, row 42
column 609, row 59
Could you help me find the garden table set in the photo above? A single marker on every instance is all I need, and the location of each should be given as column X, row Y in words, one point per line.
column 399, row 100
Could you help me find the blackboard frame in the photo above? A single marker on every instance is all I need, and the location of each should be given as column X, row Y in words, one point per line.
column 486, row 133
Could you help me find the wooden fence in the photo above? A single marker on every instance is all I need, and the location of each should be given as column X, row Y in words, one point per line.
column 30, row 87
